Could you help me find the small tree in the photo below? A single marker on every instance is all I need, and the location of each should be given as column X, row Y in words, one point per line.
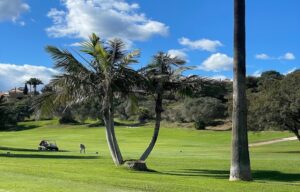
column 25, row 91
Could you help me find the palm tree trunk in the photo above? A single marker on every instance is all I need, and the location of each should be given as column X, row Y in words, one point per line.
column 296, row 132
column 240, row 161
column 115, row 142
column 34, row 89
column 297, row 135
column 112, row 142
column 158, row 111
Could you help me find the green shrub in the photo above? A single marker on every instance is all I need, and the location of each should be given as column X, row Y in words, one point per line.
column 200, row 124
column 67, row 120
column 143, row 114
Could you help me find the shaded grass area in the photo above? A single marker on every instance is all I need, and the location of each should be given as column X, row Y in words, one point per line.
column 23, row 127
column 224, row 174
column 183, row 160
column 41, row 156
column 17, row 149
column 23, row 149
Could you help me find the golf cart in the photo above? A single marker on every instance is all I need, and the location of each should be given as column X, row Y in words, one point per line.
column 47, row 145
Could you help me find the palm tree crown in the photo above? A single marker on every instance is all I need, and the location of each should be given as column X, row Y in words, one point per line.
column 34, row 82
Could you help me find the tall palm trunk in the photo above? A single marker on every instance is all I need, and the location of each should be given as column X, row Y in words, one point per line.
column 34, row 89
column 295, row 130
column 240, row 162
column 158, row 111
column 108, row 117
column 297, row 135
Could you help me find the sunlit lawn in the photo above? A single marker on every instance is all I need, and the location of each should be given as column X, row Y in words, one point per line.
column 183, row 160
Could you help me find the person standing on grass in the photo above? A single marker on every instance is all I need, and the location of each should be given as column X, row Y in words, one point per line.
column 82, row 148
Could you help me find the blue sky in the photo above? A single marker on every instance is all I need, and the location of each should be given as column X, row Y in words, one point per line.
column 200, row 31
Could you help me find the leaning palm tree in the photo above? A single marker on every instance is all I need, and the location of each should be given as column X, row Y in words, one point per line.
column 101, row 76
column 34, row 82
column 164, row 74
column 240, row 161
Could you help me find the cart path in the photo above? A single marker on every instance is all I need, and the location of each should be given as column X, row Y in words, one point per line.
column 273, row 141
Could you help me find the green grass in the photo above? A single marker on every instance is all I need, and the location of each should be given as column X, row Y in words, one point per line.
column 184, row 160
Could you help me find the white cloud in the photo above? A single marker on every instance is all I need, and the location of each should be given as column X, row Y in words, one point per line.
column 288, row 56
column 76, row 44
column 107, row 18
column 12, row 75
column 217, row 62
column 262, row 56
column 257, row 73
column 219, row 77
column 12, row 9
column 22, row 23
column 290, row 71
column 56, row 16
column 201, row 44
column 178, row 53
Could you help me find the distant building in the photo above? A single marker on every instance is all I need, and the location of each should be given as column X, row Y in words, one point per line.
column 16, row 93
column 5, row 95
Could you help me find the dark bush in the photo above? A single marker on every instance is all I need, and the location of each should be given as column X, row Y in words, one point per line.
column 143, row 114
column 67, row 117
column 200, row 124
column 67, row 120
column 13, row 111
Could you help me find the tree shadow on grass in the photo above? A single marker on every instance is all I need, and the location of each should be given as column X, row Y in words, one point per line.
column 96, row 124
column 224, row 174
column 129, row 124
column 42, row 156
column 289, row 152
column 276, row 176
column 21, row 128
column 101, row 124
column 220, row 174
column 24, row 149
column 17, row 149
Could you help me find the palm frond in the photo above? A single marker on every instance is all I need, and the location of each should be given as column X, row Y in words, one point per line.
column 130, row 58
column 65, row 61
column 180, row 70
column 95, row 48
column 116, row 51
column 126, row 79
